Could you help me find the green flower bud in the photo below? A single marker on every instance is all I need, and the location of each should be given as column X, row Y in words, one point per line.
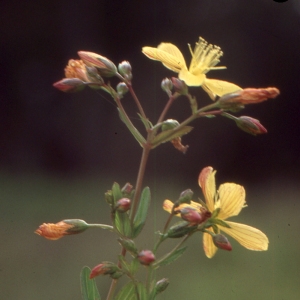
column 122, row 89
column 161, row 285
column 167, row 86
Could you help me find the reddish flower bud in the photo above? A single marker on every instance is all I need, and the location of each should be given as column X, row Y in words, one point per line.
column 127, row 189
column 190, row 215
column 250, row 125
column 66, row 227
column 146, row 257
column 221, row 242
column 70, row 85
column 123, row 205
column 103, row 269
column 105, row 67
column 179, row 86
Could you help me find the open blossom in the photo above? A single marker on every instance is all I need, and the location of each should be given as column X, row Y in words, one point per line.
column 229, row 200
column 204, row 58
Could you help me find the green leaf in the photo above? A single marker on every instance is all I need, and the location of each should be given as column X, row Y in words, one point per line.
column 169, row 135
column 142, row 211
column 132, row 129
column 122, row 223
column 89, row 289
column 134, row 266
column 128, row 292
column 146, row 122
column 169, row 258
column 142, row 291
column 117, row 193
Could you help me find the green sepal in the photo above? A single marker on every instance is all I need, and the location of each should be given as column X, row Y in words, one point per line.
column 215, row 213
column 142, row 211
column 169, row 258
column 146, row 122
column 219, row 222
column 193, row 104
column 116, row 192
column 168, row 135
column 132, row 129
column 89, row 289
column 179, row 230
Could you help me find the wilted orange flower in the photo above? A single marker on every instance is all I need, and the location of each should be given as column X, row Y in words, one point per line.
column 56, row 231
column 76, row 69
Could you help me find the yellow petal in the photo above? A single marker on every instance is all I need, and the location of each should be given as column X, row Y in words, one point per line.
column 208, row 245
column 231, row 200
column 206, row 180
column 168, row 206
column 191, row 79
column 249, row 237
column 168, row 54
column 219, row 87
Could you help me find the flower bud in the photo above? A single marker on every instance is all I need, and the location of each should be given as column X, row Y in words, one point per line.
column 169, row 124
column 69, row 85
column 109, row 198
column 126, row 189
column 250, row 125
column 221, row 242
column 161, row 285
column 104, row 268
column 129, row 245
column 125, row 70
column 179, row 230
column 185, row 197
column 122, row 89
column 123, row 205
column 179, row 86
column 93, row 75
column 167, row 86
column 146, row 257
column 191, row 215
column 105, row 67
column 66, row 227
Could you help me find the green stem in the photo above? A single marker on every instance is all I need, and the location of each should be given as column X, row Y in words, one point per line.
column 103, row 226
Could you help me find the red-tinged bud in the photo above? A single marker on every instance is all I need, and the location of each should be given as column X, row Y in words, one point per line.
column 249, row 96
column 146, row 257
column 167, row 86
column 123, row 205
column 179, row 86
column 185, row 197
column 250, row 125
column 127, row 189
column 125, row 70
column 104, row 268
column 66, row 227
column 190, row 215
column 221, row 242
column 105, row 67
column 70, row 85
column 122, row 89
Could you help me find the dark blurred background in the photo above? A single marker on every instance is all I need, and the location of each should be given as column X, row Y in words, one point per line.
column 60, row 152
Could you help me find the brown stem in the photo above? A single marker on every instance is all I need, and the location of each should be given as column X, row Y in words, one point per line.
column 168, row 105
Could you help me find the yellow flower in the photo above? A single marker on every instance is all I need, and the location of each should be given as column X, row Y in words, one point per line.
column 230, row 199
column 204, row 59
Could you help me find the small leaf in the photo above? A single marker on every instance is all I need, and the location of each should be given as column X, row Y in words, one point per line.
column 142, row 291
column 122, row 223
column 220, row 222
column 142, row 211
column 169, row 135
column 169, row 258
column 128, row 292
column 134, row 266
column 146, row 122
column 132, row 129
column 89, row 289
column 117, row 193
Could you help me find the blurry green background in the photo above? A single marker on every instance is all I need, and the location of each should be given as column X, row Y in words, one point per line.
column 60, row 152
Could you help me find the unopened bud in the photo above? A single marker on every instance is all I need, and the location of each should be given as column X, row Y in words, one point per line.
column 105, row 67
column 250, row 125
column 104, row 268
column 109, row 198
column 125, row 70
column 93, row 75
column 69, row 85
column 161, row 285
column 123, row 205
column 167, row 86
column 129, row 245
column 127, row 189
column 179, row 230
column 146, row 257
column 169, row 124
column 221, row 242
column 66, row 227
column 185, row 197
column 191, row 215
column 179, row 86
column 122, row 89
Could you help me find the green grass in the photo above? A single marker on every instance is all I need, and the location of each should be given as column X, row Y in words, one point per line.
column 34, row 268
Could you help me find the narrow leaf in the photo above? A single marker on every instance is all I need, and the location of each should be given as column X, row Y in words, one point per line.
column 89, row 289
column 146, row 122
column 220, row 222
column 142, row 211
column 122, row 223
column 169, row 135
column 132, row 129
column 128, row 292
column 169, row 258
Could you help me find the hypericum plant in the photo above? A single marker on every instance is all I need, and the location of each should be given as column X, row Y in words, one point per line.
column 129, row 207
